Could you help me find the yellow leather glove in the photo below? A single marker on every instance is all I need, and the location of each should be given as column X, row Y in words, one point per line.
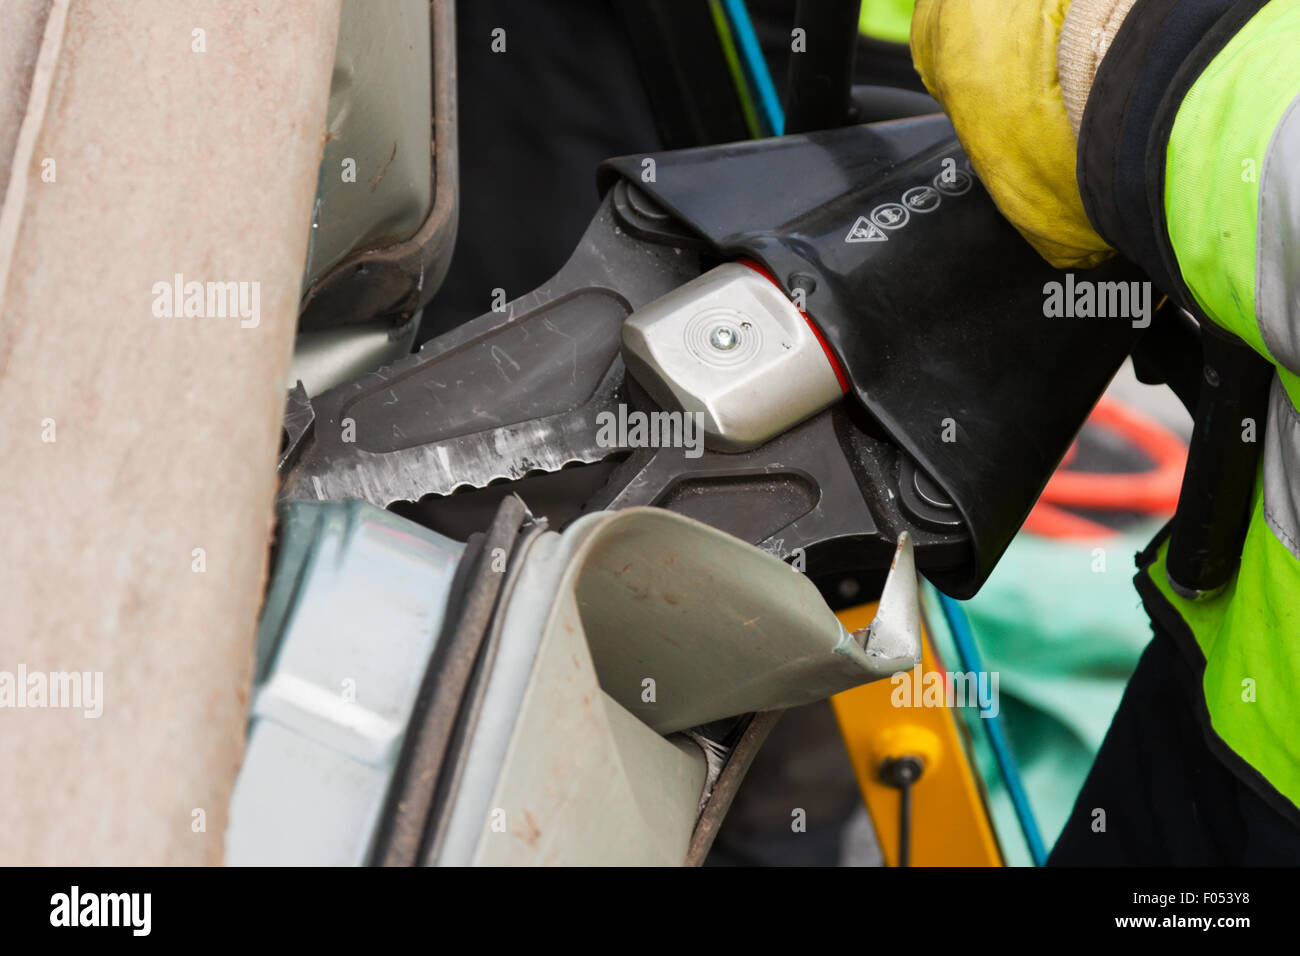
column 993, row 66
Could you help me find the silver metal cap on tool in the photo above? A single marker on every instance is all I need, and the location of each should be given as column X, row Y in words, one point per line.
column 731, row 346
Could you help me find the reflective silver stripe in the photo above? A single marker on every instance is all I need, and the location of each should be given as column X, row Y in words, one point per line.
column 1282, row 468
column 1277, row 263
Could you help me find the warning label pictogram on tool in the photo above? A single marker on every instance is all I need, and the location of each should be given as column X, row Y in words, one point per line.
column 864, row 230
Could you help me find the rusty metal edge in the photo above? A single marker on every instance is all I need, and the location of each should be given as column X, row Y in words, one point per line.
column 451, row 773
column 728, row 783
column 397, row 280
column 412, row 795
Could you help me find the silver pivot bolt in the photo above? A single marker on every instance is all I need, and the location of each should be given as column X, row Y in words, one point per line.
column 724, row 338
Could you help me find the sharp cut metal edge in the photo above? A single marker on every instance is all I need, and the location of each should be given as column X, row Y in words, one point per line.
column 893, row 639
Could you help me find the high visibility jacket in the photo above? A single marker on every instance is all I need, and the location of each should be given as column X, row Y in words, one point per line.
column 886, row 19
column 1189, row 163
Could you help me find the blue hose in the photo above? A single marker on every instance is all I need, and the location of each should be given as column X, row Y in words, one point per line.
column 971, row 661
column 755, row 65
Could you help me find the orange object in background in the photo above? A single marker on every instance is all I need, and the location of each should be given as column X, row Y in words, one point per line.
column 1152, row 492
column 950, row 823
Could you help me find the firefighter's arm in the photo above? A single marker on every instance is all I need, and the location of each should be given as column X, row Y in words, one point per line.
column 1189, row 159
column 1167, row 131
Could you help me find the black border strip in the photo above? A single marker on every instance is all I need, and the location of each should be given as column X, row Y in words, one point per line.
column 1166, row 617
column 1158, row 54
column 1210, row 46
column 1104, row 118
